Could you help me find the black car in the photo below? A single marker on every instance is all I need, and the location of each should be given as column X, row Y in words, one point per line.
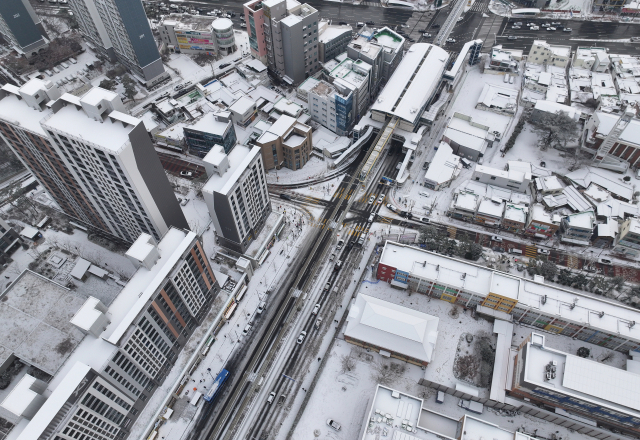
column 343, row 23
column 222, row 66
column 371, row 23
column 411, row 39
column 285, row 196
column 435, row 26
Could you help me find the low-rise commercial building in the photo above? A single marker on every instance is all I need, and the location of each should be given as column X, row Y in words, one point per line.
column 515, row 217
column 443, row 169
column 542, row 52
column 329, row 107
column 578, row 228
column 577, row 386
column 392, row 330
column 211, row 129
column 192, row 34
column 498, row 99
column 541, row 224
column 468, row 139
column 287, row 143
column 529, row 302
column 514, row 180
column 236, row 195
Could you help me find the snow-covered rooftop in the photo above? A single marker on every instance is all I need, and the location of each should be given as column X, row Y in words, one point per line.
column 392, row 327
column 493, row 95
column 145, row 282
column 465, row 133
column 608, row 180
column 583, row 378
column 554, row 107
column 516, row 213
column 413, row 82
column 34, row 321
column 15, row 110
column 444, row 166
column 21, row 396
column 333, row 31
column 65, row 389
column 606, row 121
column 239, row 158
column 593, row 312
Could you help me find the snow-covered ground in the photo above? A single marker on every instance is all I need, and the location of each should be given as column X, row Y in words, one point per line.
column 346, row 395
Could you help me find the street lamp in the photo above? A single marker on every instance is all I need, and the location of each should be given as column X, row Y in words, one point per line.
column 209, row 371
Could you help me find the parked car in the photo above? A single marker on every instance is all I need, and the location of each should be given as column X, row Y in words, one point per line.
column 315, row 310
column 551, row 28
column 303, row 335
column 517, row 23
column 371, row 23
column 73, row 60
column 246, row 330
column 451, row 40
column 333, row 424
column 391, row 207
column 554, row 23
column 425, row 165
column 222, row 66
column 516, row 27
column 496, row 239
column 261, row 307
column 424, row 220
column 534, row 28
column 424, row 193
column 543, row 252
column 605, row 261
column 186, row 173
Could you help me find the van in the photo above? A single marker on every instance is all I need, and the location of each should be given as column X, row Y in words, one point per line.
column 515, row 251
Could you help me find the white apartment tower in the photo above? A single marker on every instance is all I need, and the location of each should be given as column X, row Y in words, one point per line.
column 96, row 161
column 236, row 195
column 120, row 30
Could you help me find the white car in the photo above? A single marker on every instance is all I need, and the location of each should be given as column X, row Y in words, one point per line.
column 496, row 239
column 424, row 193
column 381, row 198
column 371, row 200
column 605, row 261
column 534, row 28
column 543, row 252
column 566, row 30
column 551, row 28
column 451, row 40
column 391, row 207
column 315, row 309
column 272, row 396
column 300, row 340
column 333, row 424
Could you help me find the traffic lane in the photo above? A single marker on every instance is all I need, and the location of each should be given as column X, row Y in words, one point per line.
column 175, row 165
column 580, row 29
column 464, row 31
column 524, row 42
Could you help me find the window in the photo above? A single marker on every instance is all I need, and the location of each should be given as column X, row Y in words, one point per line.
column 493, row 177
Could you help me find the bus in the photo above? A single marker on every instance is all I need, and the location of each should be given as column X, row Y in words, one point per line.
column 220, row 379
column 525, row 12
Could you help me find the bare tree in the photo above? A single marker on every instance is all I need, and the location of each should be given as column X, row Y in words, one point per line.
column 347, row 362
column 385, row 373
column 467, row 367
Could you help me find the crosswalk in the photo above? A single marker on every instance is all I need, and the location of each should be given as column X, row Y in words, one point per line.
column 531, row 251
column 481, row 6
column 572, row 261
column 374, row 4
column 452, row 231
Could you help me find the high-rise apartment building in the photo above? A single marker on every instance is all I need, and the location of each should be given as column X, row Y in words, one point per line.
column 96, row 161
column 236, row 195
column 9, row 240
column 290, row 32
column 120, row 30
column 21, row 27
column 328, row 106
column 116, row 354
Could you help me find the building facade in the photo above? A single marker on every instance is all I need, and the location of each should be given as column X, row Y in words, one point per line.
column 254, row 18
column 329, row 107
column 22, row 28
column 578, row 228
column 198, row 35
column 9, row 240
column 96, row 161
column 291, row 36
column 333, row 41
column 542, row 52
column 541, row 224
column 120, row 30
column 287, row 143
column 628, row 240
column 236, row 195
